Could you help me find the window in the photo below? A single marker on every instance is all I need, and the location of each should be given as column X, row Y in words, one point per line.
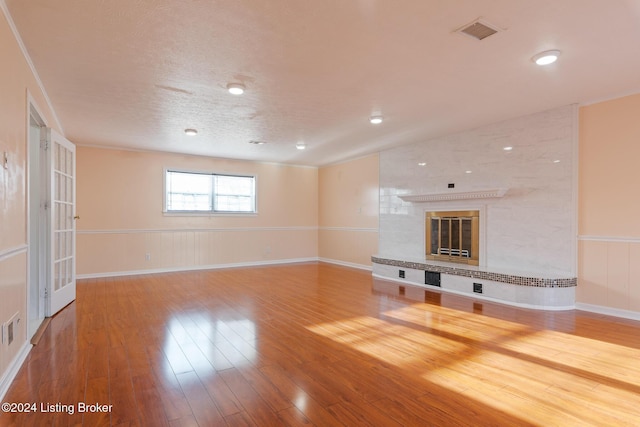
column 209, row 192
column 453, row 236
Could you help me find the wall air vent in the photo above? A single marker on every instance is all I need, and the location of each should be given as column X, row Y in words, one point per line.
column 478, row 29
column 432, row 278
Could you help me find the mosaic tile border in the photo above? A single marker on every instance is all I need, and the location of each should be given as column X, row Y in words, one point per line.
column 483, row 275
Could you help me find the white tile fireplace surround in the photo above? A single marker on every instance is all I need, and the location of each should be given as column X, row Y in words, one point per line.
column 521, row 175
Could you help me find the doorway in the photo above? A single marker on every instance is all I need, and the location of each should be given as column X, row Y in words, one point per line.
column 38, row 224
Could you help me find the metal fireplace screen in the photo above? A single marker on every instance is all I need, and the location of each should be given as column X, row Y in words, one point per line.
column 453, row 236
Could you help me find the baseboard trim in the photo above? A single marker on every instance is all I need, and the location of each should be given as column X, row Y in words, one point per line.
column 13, row 368
column 610, row 239
column 194, row 230
column 354, row 229
column 196, row 267
column 346, row 264
column 616, row 312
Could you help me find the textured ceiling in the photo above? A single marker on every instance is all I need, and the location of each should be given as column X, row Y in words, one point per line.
column 136, row 73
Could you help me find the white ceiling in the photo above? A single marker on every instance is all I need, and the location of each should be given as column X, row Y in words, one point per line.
column 136, row 73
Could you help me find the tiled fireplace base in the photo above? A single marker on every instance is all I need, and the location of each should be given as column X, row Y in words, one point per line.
column 522, row 290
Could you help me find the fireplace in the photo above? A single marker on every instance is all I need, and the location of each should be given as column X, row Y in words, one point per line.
column 452, row 236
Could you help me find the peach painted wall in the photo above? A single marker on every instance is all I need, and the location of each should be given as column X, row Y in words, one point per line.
column 16, row 80
column 609, row 206
column 349, row 209
column 120, row 203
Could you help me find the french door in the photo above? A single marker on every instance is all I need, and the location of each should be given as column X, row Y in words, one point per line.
column 61, row 155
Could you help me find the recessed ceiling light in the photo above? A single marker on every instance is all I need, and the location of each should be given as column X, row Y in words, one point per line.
column 376, row 120
column 191, row 132
column 547, row 57
column 236, row 88
column 467, row 171
column 508, row 148
column 422, row 164
column 556, row 161
column 301, row 145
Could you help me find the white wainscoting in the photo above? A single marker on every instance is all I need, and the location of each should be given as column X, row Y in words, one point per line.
column 609, row 275
column 119, row 252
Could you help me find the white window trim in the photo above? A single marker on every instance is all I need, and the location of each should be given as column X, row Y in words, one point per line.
column 211, row 212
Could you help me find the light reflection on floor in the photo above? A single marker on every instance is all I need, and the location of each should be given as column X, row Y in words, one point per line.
column 196, row 342
column 516, row 368
column 300, row 401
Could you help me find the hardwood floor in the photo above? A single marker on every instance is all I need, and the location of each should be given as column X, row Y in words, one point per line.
column 318, row 344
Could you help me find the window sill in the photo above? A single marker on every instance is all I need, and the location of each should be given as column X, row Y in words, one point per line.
column 193, row 214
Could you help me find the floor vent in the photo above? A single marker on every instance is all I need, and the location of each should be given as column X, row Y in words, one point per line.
column 478, row 29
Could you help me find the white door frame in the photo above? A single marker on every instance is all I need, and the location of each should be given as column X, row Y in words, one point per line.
column 38, row 227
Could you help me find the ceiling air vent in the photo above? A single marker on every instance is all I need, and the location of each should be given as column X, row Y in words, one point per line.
column 478, row 29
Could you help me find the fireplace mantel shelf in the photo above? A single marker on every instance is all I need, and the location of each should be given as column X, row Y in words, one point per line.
column 467, row 195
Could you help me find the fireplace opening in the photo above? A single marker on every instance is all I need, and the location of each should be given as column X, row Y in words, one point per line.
column 453, row 236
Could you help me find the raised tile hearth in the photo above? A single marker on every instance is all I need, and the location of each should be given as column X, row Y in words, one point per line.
column 514, row 288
